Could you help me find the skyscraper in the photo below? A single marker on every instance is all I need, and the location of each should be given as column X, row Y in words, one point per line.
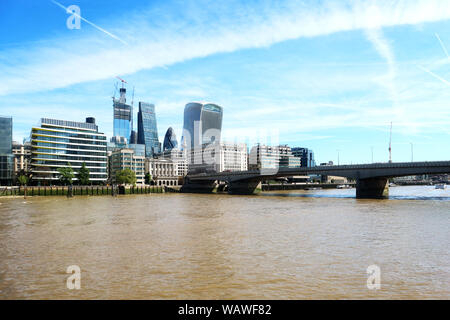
column 202, row 124
column 147, row 129
column 6, row 156
column 170, row 140
column 123, row 116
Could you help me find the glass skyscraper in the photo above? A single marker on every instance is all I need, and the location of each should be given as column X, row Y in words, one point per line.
column 6, row 156
column 58, row 143
column 123, row 117
column 170, row 140
column 147, row 129
column 202, row 124
column 5, row 135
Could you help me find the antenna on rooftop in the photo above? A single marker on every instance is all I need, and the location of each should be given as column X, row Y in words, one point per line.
column 390, row 145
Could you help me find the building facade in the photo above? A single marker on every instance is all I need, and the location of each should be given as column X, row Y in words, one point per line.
column 127, row 158
column 232, row 157
column 306, row 157
column 22, row 157
column 272, row 158
column 59, row 143
column 6, row 156
column 147, row 129
column 178, row 157
column 164, row 172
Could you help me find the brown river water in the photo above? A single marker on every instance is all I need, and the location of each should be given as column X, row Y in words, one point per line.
column 277, row 245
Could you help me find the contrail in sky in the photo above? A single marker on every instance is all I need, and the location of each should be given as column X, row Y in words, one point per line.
column 443, row 46
column 434, row 75
column 92, row 24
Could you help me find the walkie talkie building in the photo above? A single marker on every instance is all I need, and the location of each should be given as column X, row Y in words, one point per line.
column 202, row 124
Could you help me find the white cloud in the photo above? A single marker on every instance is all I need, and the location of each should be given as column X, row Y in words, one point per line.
column 199, row 32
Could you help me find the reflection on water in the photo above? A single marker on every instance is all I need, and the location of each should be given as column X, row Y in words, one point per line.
column 280, row 245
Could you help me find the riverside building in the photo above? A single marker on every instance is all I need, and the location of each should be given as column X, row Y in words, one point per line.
column 6, row 156
column 60, row 143
column 132, row 158
column 306, row 156
column 22, row 156
column 272, row 157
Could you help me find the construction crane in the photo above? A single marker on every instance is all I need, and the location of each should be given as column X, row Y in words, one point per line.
column 121, row 80
column 390, row 145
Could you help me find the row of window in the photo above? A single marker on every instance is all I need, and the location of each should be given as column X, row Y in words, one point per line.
column 68, row 158
column 70, row 140
column 36, row 143
column 69, row 134
column 66, row 163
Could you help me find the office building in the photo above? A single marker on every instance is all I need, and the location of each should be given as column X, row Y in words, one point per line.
column 6, row 156
column 128, row 158
column 164, row 172
column 202, row 124
column 170, row 140
column 123, row 117
column 272, row 157
column 147, row 129
column 59, row 143
column 22, row 156
column 178, row 157
column 232, row 157
column 306, row 157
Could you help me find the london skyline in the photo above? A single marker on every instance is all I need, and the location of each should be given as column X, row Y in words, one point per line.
column 328, row 88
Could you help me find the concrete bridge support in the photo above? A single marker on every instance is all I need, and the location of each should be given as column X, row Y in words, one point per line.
column 198, row 186
column 372, row 188
column 244, row 187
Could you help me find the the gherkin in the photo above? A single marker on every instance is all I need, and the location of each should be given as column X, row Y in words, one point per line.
column 170, row 140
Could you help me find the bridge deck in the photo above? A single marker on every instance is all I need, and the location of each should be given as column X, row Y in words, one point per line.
column 359, row 171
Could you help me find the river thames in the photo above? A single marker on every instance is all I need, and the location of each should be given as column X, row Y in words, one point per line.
column 277, row 245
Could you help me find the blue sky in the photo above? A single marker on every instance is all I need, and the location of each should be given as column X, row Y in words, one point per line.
column 328, row 75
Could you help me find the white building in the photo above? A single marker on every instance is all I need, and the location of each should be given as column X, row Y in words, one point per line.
column 220, row 157
column 164, row 172
column 126, row 158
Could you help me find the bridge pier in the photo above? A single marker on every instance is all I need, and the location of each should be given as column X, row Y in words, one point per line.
column 372, row 188
column 198, row 186
column 244, row 187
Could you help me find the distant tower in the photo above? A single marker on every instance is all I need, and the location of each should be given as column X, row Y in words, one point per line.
column 200, row 119
column 170, row 140
column 147, row 130
column 123, row 115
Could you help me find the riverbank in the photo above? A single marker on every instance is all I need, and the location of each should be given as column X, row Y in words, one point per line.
column 80, row 190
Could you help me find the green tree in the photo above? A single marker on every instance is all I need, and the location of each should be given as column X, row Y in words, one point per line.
column 148, row 178
column 66, row 175
column 83, row 175
column 126, row 176
column 22, row 180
